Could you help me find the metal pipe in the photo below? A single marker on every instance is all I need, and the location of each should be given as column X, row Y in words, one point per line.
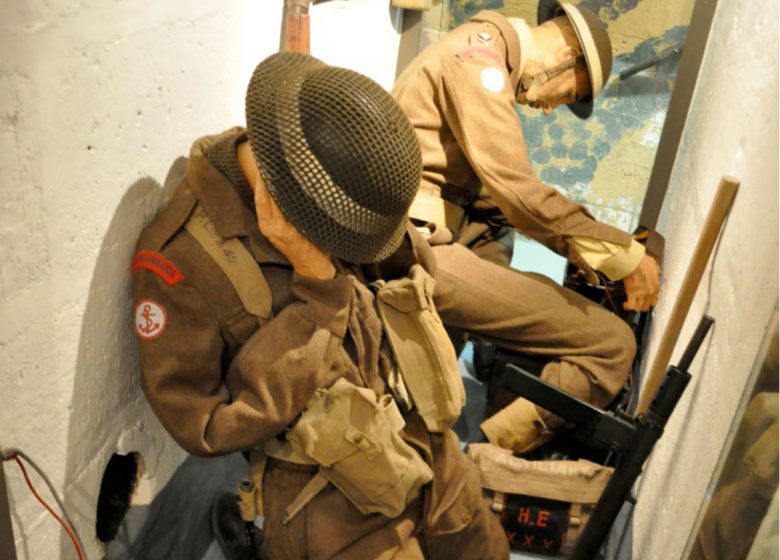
column 636, row 68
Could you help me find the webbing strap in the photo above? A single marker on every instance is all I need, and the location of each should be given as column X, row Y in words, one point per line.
column 309, row 492
column 250, row 490
column 236, row 262
column 283, row 451
column 429, row 208
column 392, row 414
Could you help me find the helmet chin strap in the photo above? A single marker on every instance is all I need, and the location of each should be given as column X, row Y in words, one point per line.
column 530, row 84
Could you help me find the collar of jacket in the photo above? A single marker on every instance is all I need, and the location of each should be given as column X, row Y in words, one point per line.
column 221, row 202
column 526, row 42
column 511, row 39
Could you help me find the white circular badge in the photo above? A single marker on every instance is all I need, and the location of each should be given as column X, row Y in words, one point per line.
column 150, row 319
column 492, row 79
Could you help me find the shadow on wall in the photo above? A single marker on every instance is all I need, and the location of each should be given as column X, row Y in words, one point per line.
column 177, row 524
column 109, row 414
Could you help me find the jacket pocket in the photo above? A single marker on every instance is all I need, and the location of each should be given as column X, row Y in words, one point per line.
column 353, row 436
column 422, row 349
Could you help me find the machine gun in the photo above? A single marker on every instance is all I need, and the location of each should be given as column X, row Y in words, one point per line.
column 631, row 438
column 629, row 434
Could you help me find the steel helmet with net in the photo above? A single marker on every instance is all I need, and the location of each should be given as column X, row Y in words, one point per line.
column 336, row 152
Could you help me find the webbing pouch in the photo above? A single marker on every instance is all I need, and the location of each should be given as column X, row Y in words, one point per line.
column 354, row 437
column 421, row 347
column 542, row 505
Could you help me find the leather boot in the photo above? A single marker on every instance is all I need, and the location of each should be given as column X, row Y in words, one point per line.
column 234, row 536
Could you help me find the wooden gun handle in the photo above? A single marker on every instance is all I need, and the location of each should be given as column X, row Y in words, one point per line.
column 721, row 205
column 295, row 31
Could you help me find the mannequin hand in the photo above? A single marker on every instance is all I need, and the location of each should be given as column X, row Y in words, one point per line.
column 307, row 259
column 642, row 285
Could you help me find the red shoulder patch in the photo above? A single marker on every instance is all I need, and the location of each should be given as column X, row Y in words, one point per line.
column 158, row 264
column 470, row 52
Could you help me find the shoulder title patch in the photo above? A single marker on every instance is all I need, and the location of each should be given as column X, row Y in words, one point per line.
column 485, row 52
column 158, row 264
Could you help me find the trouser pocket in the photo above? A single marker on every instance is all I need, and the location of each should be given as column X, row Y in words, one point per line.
column 353, row 436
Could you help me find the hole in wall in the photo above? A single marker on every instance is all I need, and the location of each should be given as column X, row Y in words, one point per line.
column 116, row 491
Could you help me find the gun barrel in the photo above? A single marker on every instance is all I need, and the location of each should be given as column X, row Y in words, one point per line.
column 696, row 342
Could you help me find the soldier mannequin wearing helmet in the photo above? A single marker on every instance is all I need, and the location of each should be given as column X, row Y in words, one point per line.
column 460, row 95
column 256, row 293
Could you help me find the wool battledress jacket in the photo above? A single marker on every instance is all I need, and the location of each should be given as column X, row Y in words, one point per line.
column 221, row 383
column 459, row 95
column 217, row 381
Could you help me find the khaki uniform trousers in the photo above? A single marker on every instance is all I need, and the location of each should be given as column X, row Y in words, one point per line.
column 449, row 519
column 590, row 349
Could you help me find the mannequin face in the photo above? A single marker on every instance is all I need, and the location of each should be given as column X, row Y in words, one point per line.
column 555, row 43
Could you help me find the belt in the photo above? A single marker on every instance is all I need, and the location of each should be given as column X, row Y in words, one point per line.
column 433, row 209
column 283, row 451
column 250, row 490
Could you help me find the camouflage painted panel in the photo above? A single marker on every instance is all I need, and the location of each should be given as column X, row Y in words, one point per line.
column 605, row 162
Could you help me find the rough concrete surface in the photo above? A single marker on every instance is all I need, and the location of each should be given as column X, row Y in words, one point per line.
column 725, row 134
column 99, row 100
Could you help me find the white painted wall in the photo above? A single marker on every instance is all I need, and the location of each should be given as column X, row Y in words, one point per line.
column 362, row 35
column 732, row 129
column 97, row 100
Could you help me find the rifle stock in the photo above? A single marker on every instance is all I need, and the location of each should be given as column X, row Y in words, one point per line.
column 296, row 26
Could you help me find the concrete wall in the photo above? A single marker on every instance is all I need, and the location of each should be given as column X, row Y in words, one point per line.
column 97, row 101
column 732, row 129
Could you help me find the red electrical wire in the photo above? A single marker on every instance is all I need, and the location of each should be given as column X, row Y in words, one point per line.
column 44, row 504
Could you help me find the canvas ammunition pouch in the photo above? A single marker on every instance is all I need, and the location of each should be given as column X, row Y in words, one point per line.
column 542, row 505
column 354, row 437
column 422, row 349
